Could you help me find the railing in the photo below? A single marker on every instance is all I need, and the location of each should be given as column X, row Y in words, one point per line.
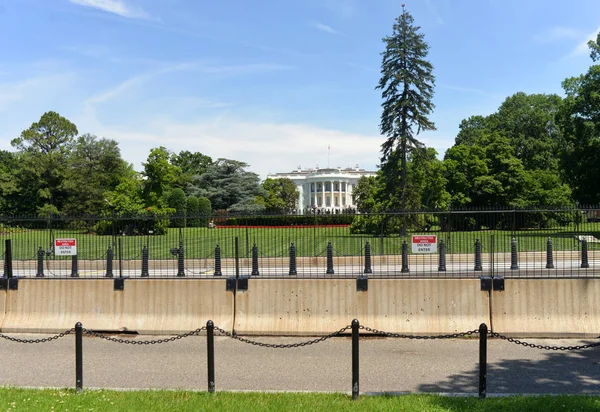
column 509, row 243
column 355, row 327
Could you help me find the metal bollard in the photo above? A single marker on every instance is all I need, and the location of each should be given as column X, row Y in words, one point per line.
column 514, row 264
column 355, row 360
column 8, row 269
column 293, row 269
column 40, row 263
column 368, row 258
column 145, row 264
column 78, row 357
column 218, row 271
column 255, row 271
column 405, row 268
column 74, row 270
column 483, row 330
column 210, row 353
column 442, row 260
column 549, row 256
column 109, row 262
column 330, row 270
column 584, row 255
column 180, row 261
column 478, row 265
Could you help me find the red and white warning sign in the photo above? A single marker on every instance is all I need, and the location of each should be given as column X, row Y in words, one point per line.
column 65, row 247
column 424, row 244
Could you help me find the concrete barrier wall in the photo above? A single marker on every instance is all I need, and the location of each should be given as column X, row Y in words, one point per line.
column 321, row 306
column 547, row 307
column 149, row 306
column 2, row 306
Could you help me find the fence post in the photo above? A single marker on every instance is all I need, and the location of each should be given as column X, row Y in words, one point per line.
column 584, row 254
column 145, row 264
column 78, row 357
column 74, row 269
column 218, row 271
column 120, row 245
column 330, row 270
column 405, row 268
column 483, row 330
column 478, row 265
column 514, row 264
column 180, row 260
column 8, row 269
column 210, row 353
column 355, row 360
column 442, row 262
column 293, row 269
column 549, row 256
column 237, row 258
column 368, row 258
column 40, row 263
column 255, row 271
column 109, row 262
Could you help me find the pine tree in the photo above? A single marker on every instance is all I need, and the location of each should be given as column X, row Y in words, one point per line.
column 406, row 86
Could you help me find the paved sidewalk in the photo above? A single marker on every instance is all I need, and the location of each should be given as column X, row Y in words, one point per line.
column 386, row 365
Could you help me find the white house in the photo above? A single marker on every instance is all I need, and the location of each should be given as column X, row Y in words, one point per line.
column 325, row 190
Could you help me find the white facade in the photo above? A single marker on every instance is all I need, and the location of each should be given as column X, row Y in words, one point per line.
column 325, row 190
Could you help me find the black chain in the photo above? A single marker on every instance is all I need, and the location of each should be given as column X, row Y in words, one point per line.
column 544, row 347
column 397, row 335
column 42, row 340
column 143, row 342
column 283, row 346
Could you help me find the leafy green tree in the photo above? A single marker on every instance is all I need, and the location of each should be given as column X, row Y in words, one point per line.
column 95, row 166
column 579, row 120
column 159, row 176
column 204, row 210
column 177, row 201
column 43, row 151
column 192, row 164
column 193, row 211
column 10, row 195
column 226, row 183
column 282, row 196
column 406, row 85
column 365, row 194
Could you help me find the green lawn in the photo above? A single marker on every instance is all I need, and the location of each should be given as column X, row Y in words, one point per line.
column 63, row 400
column 273, row 242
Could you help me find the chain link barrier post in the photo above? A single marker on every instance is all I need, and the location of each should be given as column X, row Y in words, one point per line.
column 483, row 332
column 514, row 262
column 329, row 270
column 8, row 268
column 549, row 255
column 293, row 268
column 109, row 262
column 478, row 265
column 368, row 259
column 584, row 255
column 218, row 271
column 255, row 271
column 40, row 263
column 74, row 267
column 145, row 264
column 180, row 260
column 442, row 260
column 237, row 257
column 405, row 268
column 78, row 357
column 210, row 353
column 355, row 360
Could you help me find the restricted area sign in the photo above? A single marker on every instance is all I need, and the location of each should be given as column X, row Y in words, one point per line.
column 424, row 244
column 65, row 247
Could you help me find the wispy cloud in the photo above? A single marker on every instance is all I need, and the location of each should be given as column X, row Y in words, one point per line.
column 558, row 33
column 582, row 48
column 114, row 6
column 434, row 11
column 324, row 27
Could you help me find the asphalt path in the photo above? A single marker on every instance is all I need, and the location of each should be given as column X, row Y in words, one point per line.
column 386, row 365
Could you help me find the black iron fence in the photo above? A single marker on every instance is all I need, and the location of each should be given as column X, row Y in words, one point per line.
column 355, row 329
column 512, row 243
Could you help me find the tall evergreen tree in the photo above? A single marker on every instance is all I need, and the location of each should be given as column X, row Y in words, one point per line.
column 406, row 86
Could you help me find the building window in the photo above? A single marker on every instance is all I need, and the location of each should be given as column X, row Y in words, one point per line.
column 344, row 187
column 328, row 201
column 343, row 200
column 337, row 201
column 336, row 186
column 319, row 187
column 328, row 186
column 312, row 187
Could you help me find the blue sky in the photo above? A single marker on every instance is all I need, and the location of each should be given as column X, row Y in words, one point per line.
column 271, row 82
